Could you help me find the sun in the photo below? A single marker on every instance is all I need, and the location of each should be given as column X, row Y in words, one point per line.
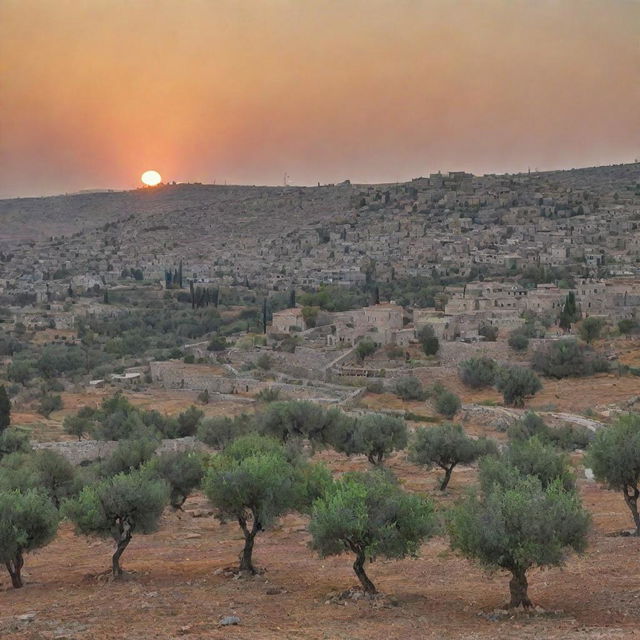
column 151, row 178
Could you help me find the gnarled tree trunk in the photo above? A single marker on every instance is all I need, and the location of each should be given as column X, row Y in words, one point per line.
column 358, row 567
column 246, row 557
column 518, row 586
column 631, row 495
column 14, row 567
column 448, row 469
column 123, row 540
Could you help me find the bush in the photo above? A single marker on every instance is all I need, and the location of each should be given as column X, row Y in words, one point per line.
column 478, row 372
column 28, row 521
column 409, row 388
column 531, row 457
column 568, row 437
column 519, row 526
column 446, row 446
column 269, row 394
column 264, row 362
column 488, row 332
column 627, row 326
column 217, row 343
column 128, row 456
column 365, row 348
column 518, row 340
column 182, row 471
column 428, row 340
column 566, row 357
column 370, row 516
column 13, row 441
column 375, row 435
column 591, row 328
column 447, row 404
column 48, row 404
column 614, row 456
column 516, row 384
column 118, row 506
column 294, row 419
column 218, row 432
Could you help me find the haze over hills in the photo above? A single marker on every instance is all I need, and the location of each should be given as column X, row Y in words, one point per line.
column 241, row 206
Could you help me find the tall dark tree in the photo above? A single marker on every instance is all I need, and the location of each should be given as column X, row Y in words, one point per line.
column 264, row 316
column 193, row 298
column 292, row 298
column 5, row 409
column 180, row 274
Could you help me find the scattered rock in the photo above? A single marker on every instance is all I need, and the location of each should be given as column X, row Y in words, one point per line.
column 229, row 620
column 26, row 617
column 192, row 536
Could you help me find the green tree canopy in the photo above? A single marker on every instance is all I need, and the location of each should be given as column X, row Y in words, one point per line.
column 446, row 446
column 28, row 521
column 614, row 456
column 516, row 384
column 369, row 515
column 253, row 482
column 118, row 507
column 520, row 526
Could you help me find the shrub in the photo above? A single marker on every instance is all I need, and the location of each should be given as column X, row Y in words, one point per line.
column 614, row 456
column 519, row 526
column 566, row 357
column 428, row 340
column 365, row 348
column 28, row 521
column 591, row 328
column 118, row 506
column 80, row 424
column 446, row 446
column 478, row 372
column 530, row 457
column 264, row 362
column 409, row 388
column 370, row 516
column 627, row 326
column 488, row 332
column 48, row 404
column 518, row 340
column 447, row 404
column 217, row 343
column 13, row 441
column 268, row 394
column 187, row 422
column 568, row 437
column 218, row 432
column 516, row 384
column 294, row 419
column 203, row 396
column 375, row 435
column 129, row 455
column 182, row 471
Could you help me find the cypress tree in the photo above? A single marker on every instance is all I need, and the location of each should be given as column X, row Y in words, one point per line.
column 5, row 409
column 264, row 316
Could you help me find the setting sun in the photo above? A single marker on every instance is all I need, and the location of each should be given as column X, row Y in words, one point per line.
column 151, row 178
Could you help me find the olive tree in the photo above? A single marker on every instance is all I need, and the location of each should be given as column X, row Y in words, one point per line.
column 28, row 521
column 374, row 435
column 293, row 419
column 446, row 446
column 614, row 456
column 369, row 515
column 519, row 526
column 516, row 384
column 182, row 470
column 532, row 457
column 118, row 507
column 252, row 482
column 478, row 372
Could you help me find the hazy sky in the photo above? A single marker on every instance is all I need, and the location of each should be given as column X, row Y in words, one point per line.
column 93, row 92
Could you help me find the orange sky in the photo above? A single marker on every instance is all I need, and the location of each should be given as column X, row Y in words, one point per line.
column 93, row 92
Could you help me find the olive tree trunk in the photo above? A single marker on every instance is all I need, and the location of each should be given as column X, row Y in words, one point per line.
column 358, row 567
column 631, row 495
column 125, row 531
column 518, row 586
column 14, row 567
column 448, row 469
column 246, row 557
